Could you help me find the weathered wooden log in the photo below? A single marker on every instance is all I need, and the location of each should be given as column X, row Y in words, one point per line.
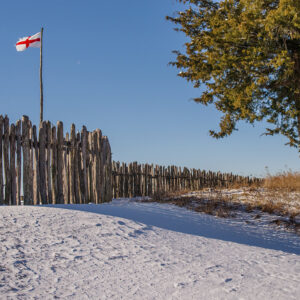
column 36, row 169
column 126, row 181
column 140, row 180
column 117, row 170
column 76, row 173
column 48, row 162
column 12, row 164
column 1, row 164
column 60, row 163
column 135, row 179
column 66, row 172
column 77, row 169
column 102, row 151
column 19, row 161
column 80, row 169
column 72, row 165
column 6, row 161
column 26, row 160
column 90, row 167
column 105, row 179
column 146, row 179
column 122, row 176
column 42, row 162
column 88, row 179
column 30, row 178
column 95, row 167
column 84, row 164
column 108, row 172
column 158, row 180
column 114, row 179
column 105, row 168
column 99, row 165
column 54, row 165
column 130, row 180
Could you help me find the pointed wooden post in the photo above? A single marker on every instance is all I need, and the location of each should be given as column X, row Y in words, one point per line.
column 12, row 163
column 77, row 170
column 42, row 162
column 30, row 178
column 26, row 159
column 84, row 163
column 48, row 162
column 72, row 165
column 90, row 169
column 60, row 164
column 6, row 160
column 66, row 170
column 36, row 170
column 19, row 170
column 54, row 165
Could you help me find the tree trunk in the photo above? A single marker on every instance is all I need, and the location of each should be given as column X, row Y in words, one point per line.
column 297, row 93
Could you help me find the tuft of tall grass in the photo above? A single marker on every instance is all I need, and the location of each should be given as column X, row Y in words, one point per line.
column 284, row 181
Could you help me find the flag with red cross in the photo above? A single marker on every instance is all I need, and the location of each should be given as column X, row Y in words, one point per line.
column 30, row 41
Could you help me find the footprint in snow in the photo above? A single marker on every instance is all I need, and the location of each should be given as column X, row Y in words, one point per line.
column 179, row 285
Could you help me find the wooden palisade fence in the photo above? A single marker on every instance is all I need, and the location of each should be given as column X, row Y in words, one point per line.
column 135, row 180
column 42, row 166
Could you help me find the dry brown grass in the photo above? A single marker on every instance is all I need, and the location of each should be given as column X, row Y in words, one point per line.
column 279, row 196
column 216, row 205
column 241, row 185
column 284, row 181
column 163, row 196
column 281, row 201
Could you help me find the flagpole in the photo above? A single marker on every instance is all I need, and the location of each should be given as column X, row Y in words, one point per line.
column 41, row 78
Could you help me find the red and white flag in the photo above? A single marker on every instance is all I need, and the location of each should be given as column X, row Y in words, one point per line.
column 30, row 41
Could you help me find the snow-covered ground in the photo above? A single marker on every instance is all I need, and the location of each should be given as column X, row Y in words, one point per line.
column 258, row 206
column 127, row 249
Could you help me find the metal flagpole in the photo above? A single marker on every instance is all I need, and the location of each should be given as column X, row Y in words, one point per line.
column 41, row 78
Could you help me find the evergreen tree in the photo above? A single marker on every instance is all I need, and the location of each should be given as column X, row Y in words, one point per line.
column 247, row 53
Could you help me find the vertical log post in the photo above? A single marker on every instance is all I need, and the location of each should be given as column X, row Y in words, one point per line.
column 96, row 169
column 108, row 172
column 12, row 163
column 6, row 161
column 84, row 163
column 1, row 165
column 72, row 165
column 60, row 165
column 19, row 170
column 30, row 179
column 48, row 162
column 66, row 170
column 54, row 165
column 36, row 168
column 99, row 165
column 78, row 170
column 42, row 162
column 90, row 169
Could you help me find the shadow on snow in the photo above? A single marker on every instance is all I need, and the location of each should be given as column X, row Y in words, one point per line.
column 185, row 221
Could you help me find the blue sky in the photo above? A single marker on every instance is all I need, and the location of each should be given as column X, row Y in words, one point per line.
column 106, row 66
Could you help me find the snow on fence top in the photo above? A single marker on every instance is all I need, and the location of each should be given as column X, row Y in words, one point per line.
column 41, row 166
